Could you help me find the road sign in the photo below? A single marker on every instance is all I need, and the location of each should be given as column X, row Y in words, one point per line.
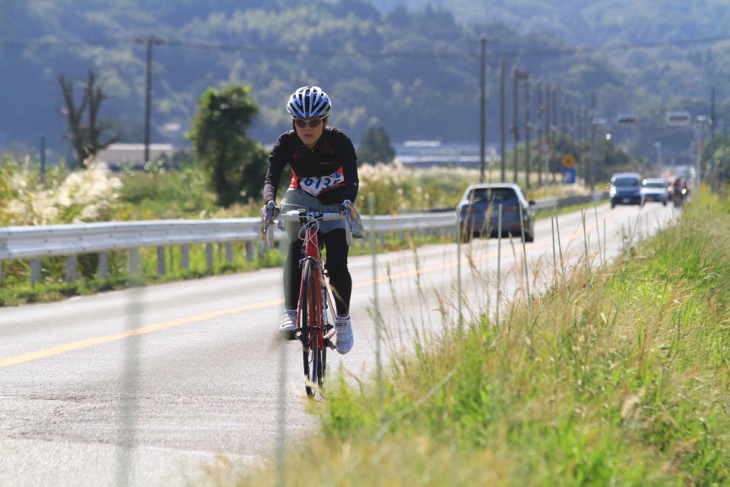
column 568, row 161
column 678, row 118
column 569, row 176
column 545, row 148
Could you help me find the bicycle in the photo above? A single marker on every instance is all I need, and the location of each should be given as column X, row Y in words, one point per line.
column 315, row 306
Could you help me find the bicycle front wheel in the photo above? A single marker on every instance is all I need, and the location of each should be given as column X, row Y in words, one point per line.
column 314, row 351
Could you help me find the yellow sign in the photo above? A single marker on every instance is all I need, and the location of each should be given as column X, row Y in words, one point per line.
column 568, row 161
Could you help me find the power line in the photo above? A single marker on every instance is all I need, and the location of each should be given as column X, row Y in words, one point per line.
column 239, row 48
column 618, row 47
column 370, row 54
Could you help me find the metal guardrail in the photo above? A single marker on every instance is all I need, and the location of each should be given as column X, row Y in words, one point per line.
column 37, row 242
column 59, row 240
column 547, row 204
column 63, row 240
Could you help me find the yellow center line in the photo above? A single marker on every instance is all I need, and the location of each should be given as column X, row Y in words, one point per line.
column 137, row 331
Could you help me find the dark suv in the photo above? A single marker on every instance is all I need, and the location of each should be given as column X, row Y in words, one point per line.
column 625, row 189
column 479, row 212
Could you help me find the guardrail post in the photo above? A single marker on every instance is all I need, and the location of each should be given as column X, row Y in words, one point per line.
column 251, row 250
column 161, row 263
column 72, row 262
column 35, row 270
column 135, row 267
column 103, row 269
column 209, row 255
column 229, row 251
column 184, row 257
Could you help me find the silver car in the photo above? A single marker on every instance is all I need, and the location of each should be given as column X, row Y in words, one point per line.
column 654, row 189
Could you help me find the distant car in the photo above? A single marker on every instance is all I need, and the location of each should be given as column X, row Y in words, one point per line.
column 479, row 212
column 625, row 189
column 654, row 189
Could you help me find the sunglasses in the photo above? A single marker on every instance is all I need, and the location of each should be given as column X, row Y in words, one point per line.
column 307, row 122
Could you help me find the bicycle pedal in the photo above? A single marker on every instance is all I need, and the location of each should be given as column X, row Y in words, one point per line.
column 328, row 343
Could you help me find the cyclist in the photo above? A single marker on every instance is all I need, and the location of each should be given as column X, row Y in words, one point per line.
column 677, row 196
column 685, row 189
column 324, row 178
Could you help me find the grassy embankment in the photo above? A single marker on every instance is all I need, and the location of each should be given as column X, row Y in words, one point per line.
column 615, row 377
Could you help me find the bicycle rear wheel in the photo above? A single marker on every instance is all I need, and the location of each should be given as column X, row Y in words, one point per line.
column 313, row 349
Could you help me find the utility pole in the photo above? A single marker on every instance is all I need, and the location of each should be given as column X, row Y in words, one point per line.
column 502, row 120
column 538, row 124
column 517, row 75
column 483, row 109
column 714, row 184
column 515, row 127
column 594, row 129
column 554, row 122
column 43, row 161
column 548, row 114
column 585, row 140
column 150, row 41
column 726, row 153
column 527, row 130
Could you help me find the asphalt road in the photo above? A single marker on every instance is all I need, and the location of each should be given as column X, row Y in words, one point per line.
column 144, row 387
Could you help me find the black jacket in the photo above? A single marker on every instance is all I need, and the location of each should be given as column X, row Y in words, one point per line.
column 328, row 171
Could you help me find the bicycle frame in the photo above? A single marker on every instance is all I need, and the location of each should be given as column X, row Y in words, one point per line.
column 314, row 329
column 311, row 254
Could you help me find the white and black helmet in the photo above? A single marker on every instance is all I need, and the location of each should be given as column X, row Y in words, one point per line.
column 309, row 102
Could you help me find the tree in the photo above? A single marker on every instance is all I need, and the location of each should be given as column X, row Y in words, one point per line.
column 375, row 147
column 233, row 163
column 85, row 135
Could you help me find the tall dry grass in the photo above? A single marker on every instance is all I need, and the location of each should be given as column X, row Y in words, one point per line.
column 615, row 376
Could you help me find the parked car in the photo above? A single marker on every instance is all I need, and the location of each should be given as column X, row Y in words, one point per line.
column 625, row 189
column 654, row 189
column 479, row 212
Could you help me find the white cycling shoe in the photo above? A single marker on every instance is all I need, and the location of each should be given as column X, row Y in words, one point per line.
column 343, row 327
column 288, row 324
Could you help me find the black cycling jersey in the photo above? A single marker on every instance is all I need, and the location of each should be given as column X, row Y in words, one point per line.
column 328, row 171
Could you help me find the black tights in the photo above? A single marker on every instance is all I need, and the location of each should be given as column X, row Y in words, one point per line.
column 336, row 264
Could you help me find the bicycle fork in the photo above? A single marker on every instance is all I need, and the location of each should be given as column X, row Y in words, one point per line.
column 328, row 328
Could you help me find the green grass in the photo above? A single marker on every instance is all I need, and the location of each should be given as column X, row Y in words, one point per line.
column 159, row 193
column 617, row 377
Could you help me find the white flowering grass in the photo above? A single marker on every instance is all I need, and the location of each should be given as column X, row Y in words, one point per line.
column 400, row 188
column 72, row 197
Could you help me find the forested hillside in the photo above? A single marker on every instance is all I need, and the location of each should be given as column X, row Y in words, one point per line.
column 414, row 70
column 591, row 23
